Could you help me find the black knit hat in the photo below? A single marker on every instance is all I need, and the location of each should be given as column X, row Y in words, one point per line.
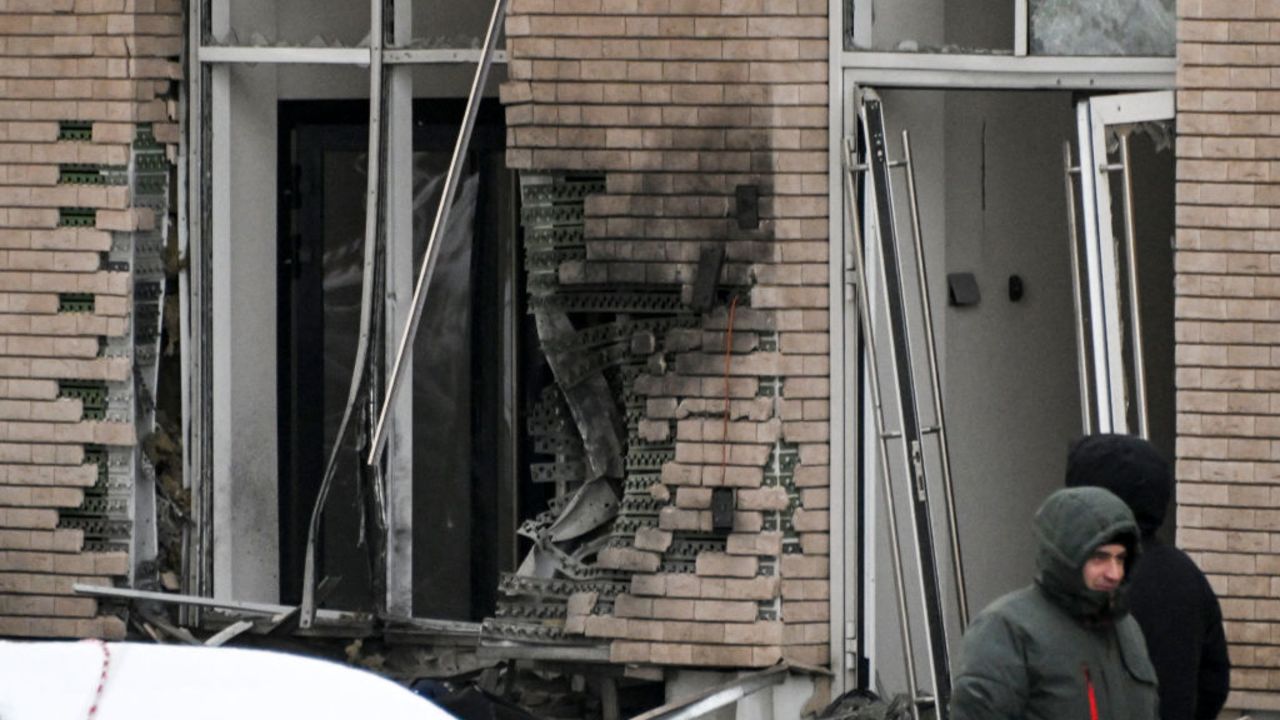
column 1128, row 466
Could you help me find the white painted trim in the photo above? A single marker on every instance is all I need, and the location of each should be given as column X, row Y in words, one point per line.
column 301, row 55
column 222, row 343
column 357, row 56
column 1094, row 116
column 1006, row 72
column 397, row 470
column 429, row 56
column 1093, row 270
column 843, row 514
column 1132, row 108
column 1021, row 31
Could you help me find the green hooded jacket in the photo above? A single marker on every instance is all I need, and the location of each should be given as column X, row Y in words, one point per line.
column 1057, row 650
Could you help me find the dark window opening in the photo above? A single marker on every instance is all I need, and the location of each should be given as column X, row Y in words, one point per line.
column 466, row 372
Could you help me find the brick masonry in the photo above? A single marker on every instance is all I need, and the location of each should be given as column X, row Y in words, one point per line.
column 79, row 79
column 677, row 103
column 1228, row 303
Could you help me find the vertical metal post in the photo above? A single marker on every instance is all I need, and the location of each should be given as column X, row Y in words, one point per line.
column 398, row 272
column 1077, row 295
column 894, row 280
column 864, row 315
column 1021, row 30
column 922, row 279
column 1135, row 310
column 372, row 225
column 441, row 221
column 1099, row 256
column 192, row 310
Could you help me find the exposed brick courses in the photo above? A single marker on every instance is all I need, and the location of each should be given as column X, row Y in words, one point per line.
column 102, row 67
column 678, row 102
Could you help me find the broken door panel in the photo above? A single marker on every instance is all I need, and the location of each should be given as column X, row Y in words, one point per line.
column 1102, row 27
column 1116, row 246
column 913, row 442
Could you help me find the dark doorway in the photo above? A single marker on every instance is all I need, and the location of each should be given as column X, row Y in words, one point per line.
column 466, row 430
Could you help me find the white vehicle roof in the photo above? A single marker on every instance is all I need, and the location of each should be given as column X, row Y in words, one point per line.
column 59, row 681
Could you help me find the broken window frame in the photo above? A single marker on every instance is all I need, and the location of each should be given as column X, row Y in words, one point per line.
column 1112, row 387
column 201, row 207
column 853, row 455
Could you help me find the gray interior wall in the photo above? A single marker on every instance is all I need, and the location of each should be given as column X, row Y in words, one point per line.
column 895, row 21
column 969, row 24
column 246, row 557
column 1011, row 387
column 991, row 198
column 980, row 24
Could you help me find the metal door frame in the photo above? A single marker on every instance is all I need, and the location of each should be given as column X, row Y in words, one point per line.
column 1102, row 267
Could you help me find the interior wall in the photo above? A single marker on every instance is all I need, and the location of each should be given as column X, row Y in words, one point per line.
column 895, row 22
column 246, row 556
column 926, row 24
column 980, row 24
column 1010, row 375
column 991, row 199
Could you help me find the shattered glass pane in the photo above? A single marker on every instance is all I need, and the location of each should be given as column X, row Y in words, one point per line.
column 1102, row 27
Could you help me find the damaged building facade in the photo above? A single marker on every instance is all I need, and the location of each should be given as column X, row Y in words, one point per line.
column 638, row 428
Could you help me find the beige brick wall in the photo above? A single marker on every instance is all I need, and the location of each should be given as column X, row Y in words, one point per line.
column 1228, row 304
column 103, row 62
column 677, row 102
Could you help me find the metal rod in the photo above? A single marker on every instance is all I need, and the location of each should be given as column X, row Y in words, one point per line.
column 438, row 226
column 868, row 339
column 229, row 633
column 371, row 227
column 192, row 299
column 1135, row 310
column 1077, row 295
column 711, row 699
column 922, row 277
column 255, row 608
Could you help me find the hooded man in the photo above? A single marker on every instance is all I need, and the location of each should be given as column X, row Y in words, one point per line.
column 1171, row 599
column 1064, row 647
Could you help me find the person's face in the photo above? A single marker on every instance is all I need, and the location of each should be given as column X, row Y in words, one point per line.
column 1104, row 570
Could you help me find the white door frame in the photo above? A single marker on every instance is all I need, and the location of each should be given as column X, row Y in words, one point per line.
column 1093, row 117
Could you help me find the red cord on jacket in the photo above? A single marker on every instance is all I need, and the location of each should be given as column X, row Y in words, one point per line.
column 1093, row 696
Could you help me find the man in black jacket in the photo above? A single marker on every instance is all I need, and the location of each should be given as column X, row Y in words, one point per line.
column 1170, row 598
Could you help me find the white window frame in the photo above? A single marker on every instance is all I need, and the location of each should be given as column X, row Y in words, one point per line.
column 1093, row 117
column 203, row 194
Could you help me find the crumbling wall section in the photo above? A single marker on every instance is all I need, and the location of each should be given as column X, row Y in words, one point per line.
column 1227, row 285
column 86, row 140
column 689, row 109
